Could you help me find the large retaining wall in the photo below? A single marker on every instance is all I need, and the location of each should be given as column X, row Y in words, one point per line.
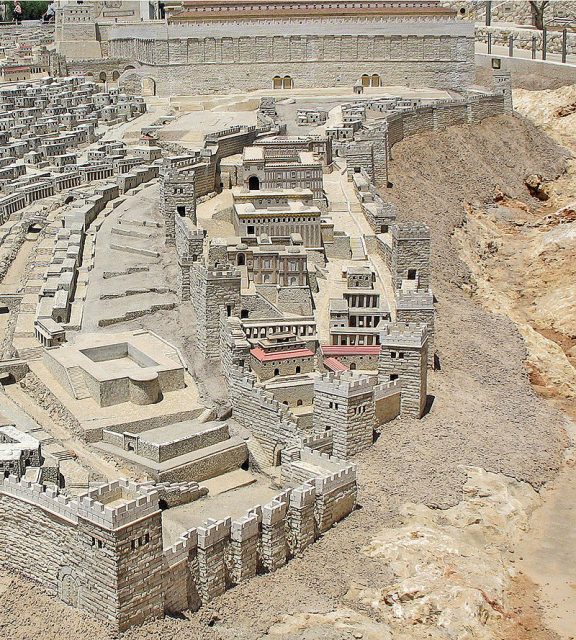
column 248, row 56
column 372, row 145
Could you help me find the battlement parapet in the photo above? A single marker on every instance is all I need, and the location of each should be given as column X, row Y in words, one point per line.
column 118, row 517
column 415, row 300
column 314, row 439
column 387, row 389
column 180, row 550
column 335, row 473
column 274, row 512
column 244, row 528
column 222, row 274
column 404, row 334
column 344, row 386
column 41, row 496
column 213, row 532
column 327, row 484
column 326, row 462
column 410, row 231
column 303, row 496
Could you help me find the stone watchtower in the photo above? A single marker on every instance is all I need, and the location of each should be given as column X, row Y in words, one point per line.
column 213, row 289
column 120, row 527
column 502, row 83
column 189, row 242
column 417, row 307
column 410, row 264
column 344, row 405
column 403, row 357
column 177, row 198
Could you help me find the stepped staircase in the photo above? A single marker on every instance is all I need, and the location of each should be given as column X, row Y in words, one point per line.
column 64, row 454
column 260, row 461
column 31, row 353
column 357, row 248
column 77, row 383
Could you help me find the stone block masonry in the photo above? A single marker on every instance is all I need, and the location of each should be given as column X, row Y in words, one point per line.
column 211, row 291
column 345, row 407
column 189, row 242
column 404, row 357
column 103, row 552
column 220, row 57
column 373, row 144
column 177, row 199
column 410, row 265
column 105, row 560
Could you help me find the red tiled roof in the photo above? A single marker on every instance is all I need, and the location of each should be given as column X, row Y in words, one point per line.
column 334, row 365
column 261, row 355
column 336, row 350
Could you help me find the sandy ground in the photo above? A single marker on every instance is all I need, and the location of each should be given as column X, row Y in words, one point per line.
column 522, row 256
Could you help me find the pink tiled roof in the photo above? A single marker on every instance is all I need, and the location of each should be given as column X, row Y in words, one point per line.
column 261, row 355
column 334, row 365
column 336, row 350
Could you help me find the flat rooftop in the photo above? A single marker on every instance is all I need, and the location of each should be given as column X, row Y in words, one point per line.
column 177, row 431
column 290, row 208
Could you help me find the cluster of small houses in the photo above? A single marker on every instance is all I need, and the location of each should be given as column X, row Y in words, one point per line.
column 43, row 124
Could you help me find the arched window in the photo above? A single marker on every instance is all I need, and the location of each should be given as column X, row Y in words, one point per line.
column 277, row 82
column 298, row 369
column 365, row 80
column 299, row 403
column 102, row 76
column 352, row 366
column 240, row 259
column 375, row 80
column 287, row 82
column 115, row 75
column 254, row 183
column 276, row 372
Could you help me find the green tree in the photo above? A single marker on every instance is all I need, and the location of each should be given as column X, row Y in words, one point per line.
column 31, row 9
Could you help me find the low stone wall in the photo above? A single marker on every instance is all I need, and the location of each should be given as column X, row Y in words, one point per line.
column 523, row 38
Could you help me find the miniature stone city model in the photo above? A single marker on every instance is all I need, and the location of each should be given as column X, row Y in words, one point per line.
column 263, row 254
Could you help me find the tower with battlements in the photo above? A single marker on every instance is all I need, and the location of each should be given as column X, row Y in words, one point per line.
column 120, row 529
column 213, row 289
column 177, row 199
column 403, row 357
column 344, row 405
column 410, row 257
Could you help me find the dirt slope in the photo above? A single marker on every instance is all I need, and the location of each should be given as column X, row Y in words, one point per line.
column 484, row 414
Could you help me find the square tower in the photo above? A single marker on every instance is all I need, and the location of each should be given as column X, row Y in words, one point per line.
column 403, row 357
column 410, row 264
column 120, row 527
column 502, row 83
column 344, row 405
column 177, row 198
column 213, row 289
